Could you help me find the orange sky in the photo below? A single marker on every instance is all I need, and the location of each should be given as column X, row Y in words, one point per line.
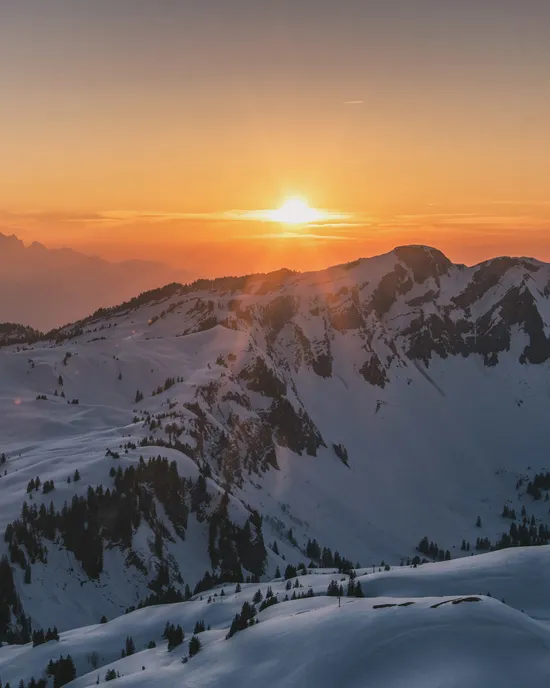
column 149, row 129
column 214, row 244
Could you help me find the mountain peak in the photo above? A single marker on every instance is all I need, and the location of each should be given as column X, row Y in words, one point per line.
column 10, row 242
column 37, row 246
column 424, row 261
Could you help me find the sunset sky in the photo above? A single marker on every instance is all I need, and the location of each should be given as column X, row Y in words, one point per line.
column 163, row 129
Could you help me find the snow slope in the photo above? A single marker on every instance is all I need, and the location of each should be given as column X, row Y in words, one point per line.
column 474, row 644
column 421, row 640
column 514, row 575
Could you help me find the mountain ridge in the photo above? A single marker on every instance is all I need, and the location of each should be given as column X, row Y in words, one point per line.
column 406, row 252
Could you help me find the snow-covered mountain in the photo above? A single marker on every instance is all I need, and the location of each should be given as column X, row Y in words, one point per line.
column 359, row 409
column 70, row 284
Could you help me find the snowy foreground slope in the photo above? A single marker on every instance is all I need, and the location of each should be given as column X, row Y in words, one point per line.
column 366, row 406
column 399, row 639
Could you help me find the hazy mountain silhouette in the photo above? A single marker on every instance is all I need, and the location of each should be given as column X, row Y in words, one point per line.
column 47, row 288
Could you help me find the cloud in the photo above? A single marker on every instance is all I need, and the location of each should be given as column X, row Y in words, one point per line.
column 339, row 224
column 156, row 216
column 439, row 220
column 327, row 217
column 323, row 217
column 353, row 102
column 303, row 235
column 525, row 204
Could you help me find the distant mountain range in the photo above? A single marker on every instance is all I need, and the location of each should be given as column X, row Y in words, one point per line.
column 46, row 288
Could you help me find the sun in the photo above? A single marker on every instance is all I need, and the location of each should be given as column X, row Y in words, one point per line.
column 295, row 211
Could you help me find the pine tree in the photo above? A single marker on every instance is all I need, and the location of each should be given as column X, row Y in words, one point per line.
column 199, row 627
column 327, row 558
column 333, row 589
column 174, row 635
column 129, row 647
column 62, row 671
column 242, row 620
column 351, row 588
column 166, row 632
column 478, row 522
column 194, row 646
column 290, row 572
column 38, row 638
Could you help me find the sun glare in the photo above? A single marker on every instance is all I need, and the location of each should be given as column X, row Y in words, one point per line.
column 295, row 211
